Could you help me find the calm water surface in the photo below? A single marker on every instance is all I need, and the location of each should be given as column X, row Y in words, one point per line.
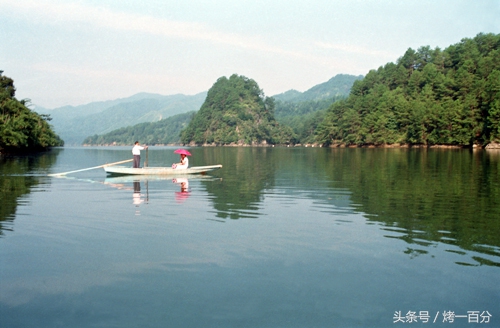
column 279, row 237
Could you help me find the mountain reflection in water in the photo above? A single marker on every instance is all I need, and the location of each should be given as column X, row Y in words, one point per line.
column 295, row 237
column 421, row 196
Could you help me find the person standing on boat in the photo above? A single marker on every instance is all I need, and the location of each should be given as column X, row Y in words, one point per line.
column 136, row 151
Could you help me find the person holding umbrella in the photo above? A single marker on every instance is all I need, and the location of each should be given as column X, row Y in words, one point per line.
column 184, row 163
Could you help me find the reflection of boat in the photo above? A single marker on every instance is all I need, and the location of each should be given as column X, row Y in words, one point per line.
column 123, row 170
column 116, row 179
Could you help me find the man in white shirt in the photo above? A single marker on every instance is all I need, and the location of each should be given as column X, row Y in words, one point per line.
column 136, row 151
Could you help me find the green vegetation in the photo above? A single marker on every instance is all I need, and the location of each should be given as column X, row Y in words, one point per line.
column 303, row 118
column 166, row 131
column 429, row 97
column 236, row 112
column 20, row 128
column 303, row 112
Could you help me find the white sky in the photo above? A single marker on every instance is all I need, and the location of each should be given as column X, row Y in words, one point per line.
column 73, row 52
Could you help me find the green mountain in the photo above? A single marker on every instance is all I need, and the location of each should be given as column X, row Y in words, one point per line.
column 428, row 97
column 236, row 111
column 74, row 124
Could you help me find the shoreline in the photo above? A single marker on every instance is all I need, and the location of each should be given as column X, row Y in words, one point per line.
column 489, row 146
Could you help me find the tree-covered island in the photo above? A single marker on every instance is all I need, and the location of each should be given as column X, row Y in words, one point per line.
column 21, row 129
column 236, row 112
column 428, row 97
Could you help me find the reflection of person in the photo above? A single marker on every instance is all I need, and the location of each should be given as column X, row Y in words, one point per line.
column 184, row 163
column 181, row 196
column 136, row 151
column 183, row 182
column 184, row 186
column 137, row 194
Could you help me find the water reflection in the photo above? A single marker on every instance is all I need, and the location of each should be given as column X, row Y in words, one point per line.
column 319, row 219
column 183, row 194
column 141, row 187
column 424, row 197
column 247, row 173
column 19, row 175
column 137, row 196
column 428, row 197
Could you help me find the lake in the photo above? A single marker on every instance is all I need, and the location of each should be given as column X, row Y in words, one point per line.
column 279, row 237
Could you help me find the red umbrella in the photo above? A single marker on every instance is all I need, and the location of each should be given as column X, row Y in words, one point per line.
column 182, row 151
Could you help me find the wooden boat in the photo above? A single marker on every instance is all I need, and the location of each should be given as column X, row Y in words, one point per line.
column 124, row 170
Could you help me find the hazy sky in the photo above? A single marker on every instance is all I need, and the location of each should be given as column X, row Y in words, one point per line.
column 72, row 52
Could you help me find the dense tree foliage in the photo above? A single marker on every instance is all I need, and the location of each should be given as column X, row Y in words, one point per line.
column 20, row 128
column 236, row 112
column 304, row 111
column 166, row 131
column 303, row 116
column 303, row 126
column 429, row 96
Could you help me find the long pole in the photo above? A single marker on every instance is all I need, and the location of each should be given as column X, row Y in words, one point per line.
column 91, row 168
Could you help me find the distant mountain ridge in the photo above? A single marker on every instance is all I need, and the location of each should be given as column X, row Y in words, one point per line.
column 339, row 85
column 96, row 106
column 75, row 123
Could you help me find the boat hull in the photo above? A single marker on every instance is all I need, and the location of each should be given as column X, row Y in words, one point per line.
column 123, row 170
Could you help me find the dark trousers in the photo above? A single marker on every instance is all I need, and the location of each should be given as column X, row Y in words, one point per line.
column 137, row 161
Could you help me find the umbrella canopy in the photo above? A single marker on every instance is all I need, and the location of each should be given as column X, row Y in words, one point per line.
column 182, row 151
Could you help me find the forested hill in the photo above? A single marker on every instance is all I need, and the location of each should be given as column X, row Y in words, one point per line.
column 429, row 96
column 321, row 96
column 304, row 111
column 338, row 86
column 237, row 112
column 21, row 129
